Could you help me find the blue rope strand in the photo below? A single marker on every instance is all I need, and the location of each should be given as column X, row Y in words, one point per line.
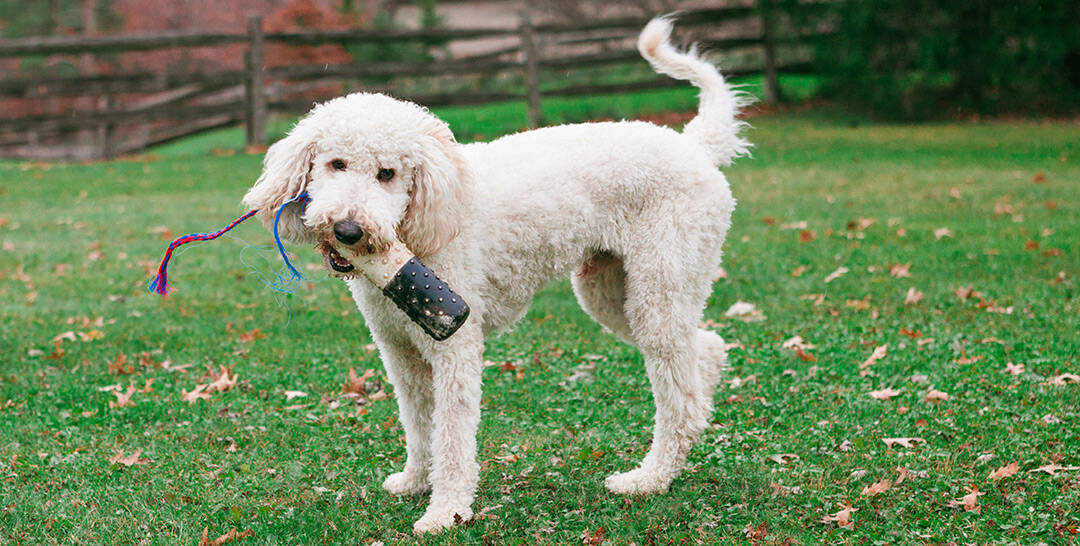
column 296, row 276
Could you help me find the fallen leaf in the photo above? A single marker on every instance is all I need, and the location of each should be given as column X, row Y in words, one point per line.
column 128, row 460
column 289, row 395
column 969, row 502
column 123, row 399
column 783, row 458
column 120, row 365
column 745, row 312
column 876, row 488
column 1064, row 379
column 900, row 270
column 756, row 533
column 796, row 342
column 355, row 384
column 798, row 271
column 1013, row 369
column 147, row 386
column 913, row 296
column 903, row 474
column 942, row 232
column 879, row 352
column 841, row 518
column 593, row 539
column 884, row 394
column 840, row 272
column 935, row 396
column 196, row 394
column 903, row 442
column 805, row 356
column 1004, row 471
column 1053, row 468
column 223, row 381
column 252, row 335
column 913, row 334
column 222, row 540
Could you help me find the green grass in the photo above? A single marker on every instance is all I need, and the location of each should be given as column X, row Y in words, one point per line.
column 308, row 470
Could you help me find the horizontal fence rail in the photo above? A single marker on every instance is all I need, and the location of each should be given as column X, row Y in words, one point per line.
column 128, row 112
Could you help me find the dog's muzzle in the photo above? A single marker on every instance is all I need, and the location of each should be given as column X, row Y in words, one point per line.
column 416, row 290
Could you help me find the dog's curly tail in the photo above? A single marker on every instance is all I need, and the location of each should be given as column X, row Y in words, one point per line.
column 715, row 126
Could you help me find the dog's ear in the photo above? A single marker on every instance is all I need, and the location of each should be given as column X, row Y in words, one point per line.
column 286, row 171
column 440, row 193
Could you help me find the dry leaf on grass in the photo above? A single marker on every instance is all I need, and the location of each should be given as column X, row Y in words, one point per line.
column 903, row 442
column 222, row 540
column 222, row 381
column 196, row 394
column 1004, row 471
column 1064, row 379
column 936, row 396
column 840, row 272
column 128, row 460
column 900, row 270
column 1013, row 369
column 1053, row 468
column 745, row 312
column 252, row 335
column 797, row 342
column 120, row 365
column 942, row 232
column 913, row 296
column 783, row 458
column 969, row 502
column 879, row 352
column 841, row 518
column 355, row 384
column 289, row 395
column 884, row 394
column 123, row 399
column 877, row 488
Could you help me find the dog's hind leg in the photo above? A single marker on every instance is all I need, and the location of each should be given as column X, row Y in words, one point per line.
column 662, row 310
column 600, row 286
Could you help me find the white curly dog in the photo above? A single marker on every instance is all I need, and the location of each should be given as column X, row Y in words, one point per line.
column 634, row 212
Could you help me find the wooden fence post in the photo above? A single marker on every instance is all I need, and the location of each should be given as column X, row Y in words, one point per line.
column 255, row 92
column 532, row 70
column 768, row 42
column 108, row 128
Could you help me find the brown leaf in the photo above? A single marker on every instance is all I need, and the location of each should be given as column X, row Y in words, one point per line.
column 936, row 396
column 222, row 381
column 913, row 334
column 196, row 394
column 913, row 296
column 120, row 365
column 783, row 458
column 355, row 384
column 942, row 232
column 1004, row 471
column 806, row 236
column 757, row 533
column 969, row 502
column 841, row 518
column 884, row 394
column 222, row 540
column 593, row 539
column 147, row 386
column 128, row 460
column 252, row 335
column 879, row 352
column 1013, row 369
column 903, row 474
column 840, row 272
column 798, row 271
column 900, row 270
column 1064, row 379
column 877, row 488
column 903, row 442
column 123, row 399
column 805, row 356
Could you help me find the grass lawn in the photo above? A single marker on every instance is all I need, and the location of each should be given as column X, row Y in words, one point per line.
column 991, row 206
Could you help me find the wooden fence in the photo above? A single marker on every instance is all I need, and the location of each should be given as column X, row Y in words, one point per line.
column 129, row 112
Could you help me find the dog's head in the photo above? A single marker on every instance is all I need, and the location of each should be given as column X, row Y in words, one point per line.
column 376, row 170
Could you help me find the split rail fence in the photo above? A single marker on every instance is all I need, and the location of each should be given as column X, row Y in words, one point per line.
column 130, row 112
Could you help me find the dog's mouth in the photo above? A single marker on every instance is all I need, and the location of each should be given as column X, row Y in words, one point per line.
column 336, row 261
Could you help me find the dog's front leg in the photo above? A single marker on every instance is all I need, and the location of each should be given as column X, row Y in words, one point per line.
column 456, row 370
column 411, row 377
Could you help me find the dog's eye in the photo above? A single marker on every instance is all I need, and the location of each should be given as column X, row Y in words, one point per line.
column 385, row 175
column 337, row 165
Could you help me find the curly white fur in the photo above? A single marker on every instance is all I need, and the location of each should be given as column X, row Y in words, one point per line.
column 636, row 213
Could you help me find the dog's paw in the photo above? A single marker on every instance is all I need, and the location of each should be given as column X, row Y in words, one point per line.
column 406, row 483
column 439, row 518
column 638, row 480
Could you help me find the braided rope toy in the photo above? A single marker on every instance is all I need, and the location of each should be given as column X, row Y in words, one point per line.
column 425, row 298
column 160, row 283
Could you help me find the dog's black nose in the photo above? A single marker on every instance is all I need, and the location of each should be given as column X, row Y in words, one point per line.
column 348, row 232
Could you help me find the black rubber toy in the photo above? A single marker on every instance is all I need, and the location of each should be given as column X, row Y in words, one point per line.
column 428, row 301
